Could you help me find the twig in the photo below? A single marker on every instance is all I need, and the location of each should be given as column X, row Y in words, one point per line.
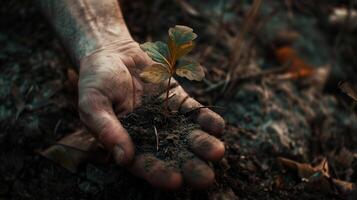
column 214, row 86
column 218, row 32
column 167, row 95
column 157, row 139
column 252, row 77
column 170, row 97
column 235, row 55
column 188, row 8
column 264, row 73
column 57, row 126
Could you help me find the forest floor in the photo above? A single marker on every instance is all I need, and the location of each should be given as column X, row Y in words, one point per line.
column 273, row 113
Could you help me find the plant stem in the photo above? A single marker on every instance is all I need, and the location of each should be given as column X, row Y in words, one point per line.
column 157, row 139
column 167, row 95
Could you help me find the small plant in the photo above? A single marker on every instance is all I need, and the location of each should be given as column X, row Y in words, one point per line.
column 167, row 57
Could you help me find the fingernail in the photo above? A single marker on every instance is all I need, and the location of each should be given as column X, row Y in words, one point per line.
column 118, row 154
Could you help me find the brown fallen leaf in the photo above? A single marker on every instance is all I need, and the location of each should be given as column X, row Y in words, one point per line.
column 298, row 68
column 318, row 177
column 304, row 170
column 348, row 89
column 344, row 186
column 73, row 150
column 81, row 140
column 67, row 157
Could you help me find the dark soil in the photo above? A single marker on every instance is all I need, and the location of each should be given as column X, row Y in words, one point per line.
column 160, row 132
column 265, row 119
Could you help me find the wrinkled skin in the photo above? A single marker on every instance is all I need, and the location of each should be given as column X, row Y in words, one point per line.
column 109, row 86
column 98, row 41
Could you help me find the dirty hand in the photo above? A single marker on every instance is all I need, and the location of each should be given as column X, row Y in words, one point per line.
column 109, row 86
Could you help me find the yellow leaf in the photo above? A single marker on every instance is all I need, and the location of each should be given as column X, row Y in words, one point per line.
column 155, row 73
column 179, row 51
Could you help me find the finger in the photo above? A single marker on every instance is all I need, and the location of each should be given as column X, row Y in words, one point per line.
column 97, row 114
column 156, row 172
column 206, row 118
column 197, row 174
column 206, row 146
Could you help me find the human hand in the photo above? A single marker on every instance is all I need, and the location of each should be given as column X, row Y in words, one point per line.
column 110, row 86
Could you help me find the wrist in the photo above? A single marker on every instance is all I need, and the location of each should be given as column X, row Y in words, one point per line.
column 91, row 44
column 85, row 25
column 115, row 51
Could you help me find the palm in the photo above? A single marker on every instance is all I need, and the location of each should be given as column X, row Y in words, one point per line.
column 110, row 85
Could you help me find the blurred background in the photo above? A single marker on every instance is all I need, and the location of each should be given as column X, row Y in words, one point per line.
column 282, row 73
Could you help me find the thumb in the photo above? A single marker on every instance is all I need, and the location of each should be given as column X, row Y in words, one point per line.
column 96, row 112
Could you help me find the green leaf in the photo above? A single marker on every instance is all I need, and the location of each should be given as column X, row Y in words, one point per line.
column 158, row 51
column 190, row 70
column 180, row 41
column 155, row 73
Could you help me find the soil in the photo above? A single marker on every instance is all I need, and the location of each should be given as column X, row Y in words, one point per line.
column 265, row 119
column 160, row 132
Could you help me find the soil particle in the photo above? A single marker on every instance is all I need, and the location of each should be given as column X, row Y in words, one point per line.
column 163, row 135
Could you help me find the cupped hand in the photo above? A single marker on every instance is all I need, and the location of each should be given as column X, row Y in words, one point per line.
column 110, row 86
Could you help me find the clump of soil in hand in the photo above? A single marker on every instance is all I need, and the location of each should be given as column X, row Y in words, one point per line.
column 163, row 135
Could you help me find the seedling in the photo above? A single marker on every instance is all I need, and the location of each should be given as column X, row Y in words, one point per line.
column 168, row 57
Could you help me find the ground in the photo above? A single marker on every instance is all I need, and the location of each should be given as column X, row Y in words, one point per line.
column 301, row 118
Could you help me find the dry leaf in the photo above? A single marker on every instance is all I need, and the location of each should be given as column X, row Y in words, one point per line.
column 298, row 68
column 73, row 150
column 348, row 89
column 67, row 157
column 180, row 42
column 318, row 177
column 191, row 71
column 155, row 73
